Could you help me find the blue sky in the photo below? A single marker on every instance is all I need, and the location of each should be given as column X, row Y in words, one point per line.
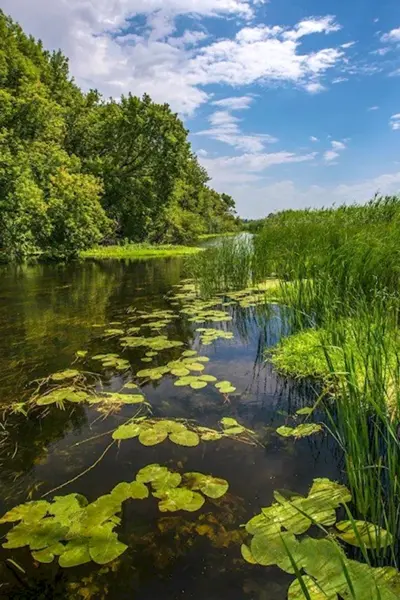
column 290, row 103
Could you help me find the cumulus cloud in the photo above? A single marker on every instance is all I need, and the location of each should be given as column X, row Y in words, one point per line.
column 234, row 102
column 392, row 36
column 110, row 51
column 395, row 122
column 330, row 155
column 314, row 139
column 373, row 108
column 338, row 145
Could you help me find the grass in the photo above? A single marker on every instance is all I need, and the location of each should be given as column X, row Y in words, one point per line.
column 139, row 251
column 210, row 236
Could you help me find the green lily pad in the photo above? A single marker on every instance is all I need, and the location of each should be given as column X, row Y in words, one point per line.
column 76, row 553
column 170, row 426
column 188, row 353
column 181, row 499
column 67, row 374
column 30, row 512
column 48, row 554
column 315, row 592
column 210, row 486
column 207, row 378
column 272, row 550
column 225, row 387
column 196, row 367
column 209, row 435
column 198, row 385
column 185, row 438
column 300, row 431
column 126, row 432
column 151, row 473
column 104, row 545
column 152, row 436
column 362, row 533
column 180, row 372
column 247, row 555
column 61, row 395
column 307, row 410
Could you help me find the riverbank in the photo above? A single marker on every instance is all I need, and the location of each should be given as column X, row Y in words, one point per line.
column 139, row 251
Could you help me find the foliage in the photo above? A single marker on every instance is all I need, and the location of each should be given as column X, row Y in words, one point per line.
column 77, row 169
column 141, row 251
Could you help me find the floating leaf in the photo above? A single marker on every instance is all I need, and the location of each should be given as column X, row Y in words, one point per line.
column 48, row 554
column 151, row 473
column 295, row 591
column 61, row 395
column 207, row 378
column 272, row 550
column 307, row 410
column 131, row 386
column 185, row 438
column 225, row 387
column 180, row 372
column 210, row 486
column 67, row 374
column 76, row 553
column 362, row 533
column 188, row 353
column 198, row 385
column 300, row 431
column 113, row 332
column 81, row 353
column 30, row 512
column 181, row 499
column 152, row 436
column 247, row 555
column 126, row 432
column 197, row 367
column 209, row 435
column 104, row 545
column 170, row 426
column 231, row 425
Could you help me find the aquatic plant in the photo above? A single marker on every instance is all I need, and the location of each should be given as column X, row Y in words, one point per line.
column 77, row 532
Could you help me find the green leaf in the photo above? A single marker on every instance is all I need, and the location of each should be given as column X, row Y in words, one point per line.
column 151, row 473
column 307, row 410
column 247, row 555
column 48, row 554
column 62, row 375
column 207, row 378
column 181, row 499
column 210, row 486
column 81, row 353
column 30, row 512
column 126, row 432
column 271, row 550
column 185, row 438
column 197, row 367
column 76, row 553
column 104, row 545
column 139, row 491
column 198, row 385
column 170, row 426
column 180, row 372
column 189, row 353
column 300, row 431
column 295, row 591
column 370, row 535
column 152, row 436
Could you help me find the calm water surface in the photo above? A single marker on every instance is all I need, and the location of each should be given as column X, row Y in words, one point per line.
column 49, row 312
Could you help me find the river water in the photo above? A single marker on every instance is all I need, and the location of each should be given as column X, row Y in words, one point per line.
column 47, row 314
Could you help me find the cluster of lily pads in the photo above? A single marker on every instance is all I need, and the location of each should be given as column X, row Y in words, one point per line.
column 302, row 430
column 151, row 432
column 208, row 335
column 113, row 361
column 78, row 532
column 318, row 563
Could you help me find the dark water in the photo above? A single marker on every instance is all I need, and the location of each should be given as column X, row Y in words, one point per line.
column 47, row 313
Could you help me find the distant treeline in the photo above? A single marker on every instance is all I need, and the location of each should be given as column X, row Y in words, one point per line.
column 76, row 169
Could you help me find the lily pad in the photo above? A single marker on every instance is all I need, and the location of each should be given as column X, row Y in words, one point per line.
column 304, row 430
column 225, row 387
column 362, row 533
column 181, row 499
column 67, row 374
column 152, row 436
column 76, row 553
column 104, row 545
column 198, row 385
column 185, row 438
column 210, row 486
column 180, row 372
column 247, row 555
column 151, row 473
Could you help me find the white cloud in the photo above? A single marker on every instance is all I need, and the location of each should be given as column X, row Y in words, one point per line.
column 256, row 200
column 381, row 51
column 348, row 45
column 174, row 68
column 235, row 102
column 248, row 167
column 313, row 25
column 338, row 145
column 330, row 155
column 314, row 139
column 314, row 87
column 392, row 36
column 373, row 108
column 340, row 79
column 225, row 127
column 395, row 122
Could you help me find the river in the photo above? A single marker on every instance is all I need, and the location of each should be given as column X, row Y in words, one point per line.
column 47, row 314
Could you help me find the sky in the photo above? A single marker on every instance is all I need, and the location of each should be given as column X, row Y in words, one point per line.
column 289, row 103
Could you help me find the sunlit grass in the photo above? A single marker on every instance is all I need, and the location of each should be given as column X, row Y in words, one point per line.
column 139, row 251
